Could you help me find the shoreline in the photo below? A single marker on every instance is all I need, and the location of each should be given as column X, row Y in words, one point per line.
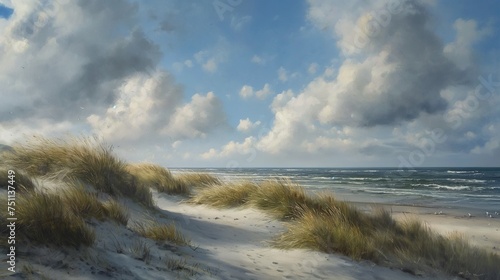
column 479, row 230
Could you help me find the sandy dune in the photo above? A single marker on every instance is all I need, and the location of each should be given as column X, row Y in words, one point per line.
column 227, row 244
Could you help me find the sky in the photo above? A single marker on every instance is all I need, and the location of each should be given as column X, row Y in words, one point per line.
column 257, row 83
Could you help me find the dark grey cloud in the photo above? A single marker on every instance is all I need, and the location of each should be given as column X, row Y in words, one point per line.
column 398, row 75
column 72, row 63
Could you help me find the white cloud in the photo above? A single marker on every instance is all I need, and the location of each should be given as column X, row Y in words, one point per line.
column 197, row 118
column 258, row 60
column 313, row 67
column 232, row 148
column 248, row 91
column 264, row 92
column 62, row 74
column 237, row 23
column 152, row 106
column 376, row 86
column 460, row 51
column 246, row 125
column 210, row 65
column 282, row 74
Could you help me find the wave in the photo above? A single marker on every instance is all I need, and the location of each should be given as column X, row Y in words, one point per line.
column 461, row 171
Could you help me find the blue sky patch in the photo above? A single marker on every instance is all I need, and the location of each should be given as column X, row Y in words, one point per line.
column 5, row 12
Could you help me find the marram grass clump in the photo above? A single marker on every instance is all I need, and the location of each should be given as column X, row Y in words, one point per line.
column 82, row 159
column 16, row 179
column 197, row 180
column 160, row 232
column 225, row 195
column 43, row 218
column 158, row 177
column 86, row 204
column 322, row 223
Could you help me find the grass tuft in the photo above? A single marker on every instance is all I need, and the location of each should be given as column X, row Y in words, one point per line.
column 197, row 180
column 158, row 177
column 280, row 198
column 21, row 181
column 44, row 219
column 160, row 232
column 323, row 223
column 83, row 159
column 225, row 195
column 116, row 211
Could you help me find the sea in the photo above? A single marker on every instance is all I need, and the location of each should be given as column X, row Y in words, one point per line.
column 472, row 189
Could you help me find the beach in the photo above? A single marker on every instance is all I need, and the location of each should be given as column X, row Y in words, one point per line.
column 236, row 244
column 89, row 215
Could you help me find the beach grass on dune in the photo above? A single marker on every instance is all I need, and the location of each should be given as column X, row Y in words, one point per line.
column 322, row 223
column 160, row 232
column 83, row 159
column 43, row 218
column 20, row 182
column 116, row 211
column 86, row 204
column 225, row 195
column 197, row 180
column 158, row 177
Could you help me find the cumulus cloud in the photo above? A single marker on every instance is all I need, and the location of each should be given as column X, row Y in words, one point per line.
column 460, row 50
column 248, row 91
column 232, row 148
column 88, row 63
column 282, row 74
column 143, row 105
column 196, row 119
column 62, row 61
column 247, row 125
column 313, row 67
column 393, row 73
column 210, row 59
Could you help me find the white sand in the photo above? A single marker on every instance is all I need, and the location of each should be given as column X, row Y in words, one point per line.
column 226, row 244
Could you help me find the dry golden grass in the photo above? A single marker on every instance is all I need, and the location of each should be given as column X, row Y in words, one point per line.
column 21, row 181
column 86, row 204
column 155, row 176
column 83, row 159
column 43, row 218
column 225, row 195
column 160, row 232
column 197, row 180
column 323, row 223
column 82, row 202
column 116, row 211
column 281, row 198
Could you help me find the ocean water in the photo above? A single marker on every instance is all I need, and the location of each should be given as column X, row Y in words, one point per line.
column 462, row 188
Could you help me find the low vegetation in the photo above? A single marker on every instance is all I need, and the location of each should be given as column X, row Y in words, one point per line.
column 197, row 180
column 158, row 177
column 325, row 224
column 160, row 232
column 85, row 160
column 43, row 218
column 17, row 179
column 226, row 195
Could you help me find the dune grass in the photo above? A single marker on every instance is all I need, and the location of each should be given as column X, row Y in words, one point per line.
column 160, row 232
column 225, row 195
column 158, row 177
column 43, row 218
column 116, row 211
column 197, row 180
column 83, row 159
column 322, row 223
column 21, row 181
column 86, row 204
